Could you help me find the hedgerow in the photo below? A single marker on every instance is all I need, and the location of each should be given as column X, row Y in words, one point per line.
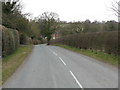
column 10, row 40
column 100, row 41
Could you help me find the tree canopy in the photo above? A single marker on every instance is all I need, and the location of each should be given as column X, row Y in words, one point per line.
column 48, row 24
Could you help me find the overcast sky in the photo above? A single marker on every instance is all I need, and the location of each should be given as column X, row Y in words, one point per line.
column 72, row 10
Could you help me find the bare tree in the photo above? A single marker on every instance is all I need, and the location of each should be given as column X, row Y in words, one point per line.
column 116, row 8
column 48, row 24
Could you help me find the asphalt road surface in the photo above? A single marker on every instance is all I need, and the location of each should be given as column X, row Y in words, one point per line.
column 55, row 67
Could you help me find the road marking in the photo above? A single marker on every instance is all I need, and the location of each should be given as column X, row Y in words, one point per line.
column 59, row 57
column 53, row 52
column 62, row 61
column 76, row 80
column 50, row 50
column 70, row 71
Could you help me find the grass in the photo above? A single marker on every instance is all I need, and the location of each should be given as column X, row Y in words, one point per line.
column 13, row 61
column 0, row 71
column 104, row 57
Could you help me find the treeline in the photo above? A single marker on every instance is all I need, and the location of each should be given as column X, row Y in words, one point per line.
column 46, row 25
column 68, row 28
column 98, row 36
column 16, row 27
column 99, row 41
column 12, row 17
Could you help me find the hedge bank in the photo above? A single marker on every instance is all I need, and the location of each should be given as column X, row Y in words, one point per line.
column 101, row 41
column 10, row 40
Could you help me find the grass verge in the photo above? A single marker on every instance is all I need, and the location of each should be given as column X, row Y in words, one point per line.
column 107, row 58
column 0, row 71
column 13, row 61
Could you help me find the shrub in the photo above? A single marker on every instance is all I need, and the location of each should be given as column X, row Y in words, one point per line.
column 36, row 42
column 24, row 39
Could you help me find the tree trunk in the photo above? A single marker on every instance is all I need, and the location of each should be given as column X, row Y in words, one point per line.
column 48, row 39
column 48, row 42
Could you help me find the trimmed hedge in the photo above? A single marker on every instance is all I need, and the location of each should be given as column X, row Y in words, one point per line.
column 10, row 40
column 101, row 41
column 0, row 41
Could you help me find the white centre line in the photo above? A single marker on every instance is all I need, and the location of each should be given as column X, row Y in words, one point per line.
column 76, row 80
column 53, row 52
column 70, row 71
column 62, row 61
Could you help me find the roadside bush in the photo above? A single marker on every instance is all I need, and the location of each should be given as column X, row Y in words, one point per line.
column 36, row 42
column 10, row 40
column 101, row 41
column 24, row 39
